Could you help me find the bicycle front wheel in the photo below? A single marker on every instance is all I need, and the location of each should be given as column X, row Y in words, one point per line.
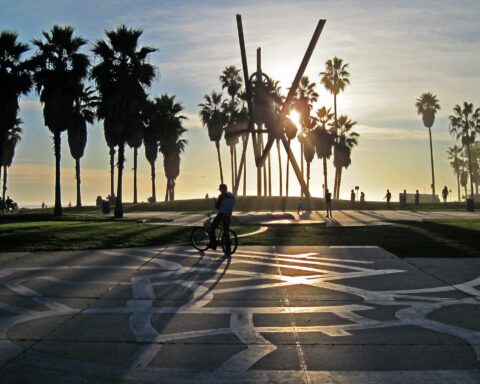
column 200, row 238
column 229, row 243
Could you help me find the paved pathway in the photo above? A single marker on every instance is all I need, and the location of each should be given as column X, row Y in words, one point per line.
column 341, row 218
column 270, row 314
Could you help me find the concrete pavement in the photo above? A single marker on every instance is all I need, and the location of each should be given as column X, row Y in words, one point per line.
column 269, row 314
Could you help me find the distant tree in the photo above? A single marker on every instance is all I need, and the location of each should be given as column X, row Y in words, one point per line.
column 122, row 75
column 59, row 70
column 457, row 163
column 214, row 119
column 346, row 140
column 324, row 139
column 465, row 125
column 15, row 81
column 83, row 113
column 171, row 144
column 335, row 78
column 8, row 153
column 427, row 106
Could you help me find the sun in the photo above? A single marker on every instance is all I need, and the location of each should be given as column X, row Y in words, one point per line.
column 294, row 117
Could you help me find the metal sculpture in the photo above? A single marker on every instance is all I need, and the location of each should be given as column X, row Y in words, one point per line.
column 261, row 112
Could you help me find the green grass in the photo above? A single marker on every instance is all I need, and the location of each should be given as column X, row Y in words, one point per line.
column 432, row 238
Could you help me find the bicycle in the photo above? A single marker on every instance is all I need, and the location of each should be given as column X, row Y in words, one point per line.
column 200, row 238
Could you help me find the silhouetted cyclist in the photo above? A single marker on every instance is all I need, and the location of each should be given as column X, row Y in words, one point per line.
column 224, row 204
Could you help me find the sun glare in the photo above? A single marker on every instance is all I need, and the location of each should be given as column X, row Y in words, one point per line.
column 294, row 117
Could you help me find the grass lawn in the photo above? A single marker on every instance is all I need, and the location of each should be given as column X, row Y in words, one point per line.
column 38, row 230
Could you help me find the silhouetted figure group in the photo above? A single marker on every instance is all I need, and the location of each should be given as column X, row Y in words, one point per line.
column 353, row 198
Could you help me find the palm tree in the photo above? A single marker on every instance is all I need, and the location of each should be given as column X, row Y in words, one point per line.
column 454, row 155
column 135, row 141
column 59, row 70
column 335, row 78
column 427, row 106
column 465, row 124
column 215, row 120
column 232, row 81
column 82, row 114
column 324, row 139
column 150, row 138
column 121, row 76
column 15, row 80
column 346, row 140
column 171, row 145
column 8, row 153
column 303, row 103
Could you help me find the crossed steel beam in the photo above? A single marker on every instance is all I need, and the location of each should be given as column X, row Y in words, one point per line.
column 260, row 157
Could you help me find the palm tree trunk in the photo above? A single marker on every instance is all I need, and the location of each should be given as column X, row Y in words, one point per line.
column 335, row 106
column 431, row 160
column 269, row 176
column 77, row 175
column 58, row 198
column 154, row 193
column 458, row 186
column 470, row 171
column 4, row 192
column 118, row 199
column 301, row 159
column 245, row 176
column 112, row 171
column 325, row 179
column 135, row 157
column 172, row 190
column 308, row 175
column 167, row 190
column 466, row 192
column 1, row 179
column 279, row 167
column 286, row 176
column 235, row 161
column 335, row 183
column 231, row 165
column 217, row 144
column 339, row 181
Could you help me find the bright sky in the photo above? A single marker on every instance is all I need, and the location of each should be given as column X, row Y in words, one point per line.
column 396, row 50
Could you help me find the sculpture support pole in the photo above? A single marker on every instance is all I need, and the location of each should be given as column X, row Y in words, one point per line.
column 249, row 103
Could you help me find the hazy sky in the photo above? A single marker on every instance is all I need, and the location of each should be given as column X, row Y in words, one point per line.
column 396, row 50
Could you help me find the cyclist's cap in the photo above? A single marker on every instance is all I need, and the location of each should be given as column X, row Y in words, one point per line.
column 222, row 187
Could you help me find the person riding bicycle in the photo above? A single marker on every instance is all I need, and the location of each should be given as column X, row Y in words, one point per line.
column 224, row 204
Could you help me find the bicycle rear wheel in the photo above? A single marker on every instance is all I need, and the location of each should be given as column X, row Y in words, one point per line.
column 230, row 243
column 200, row 238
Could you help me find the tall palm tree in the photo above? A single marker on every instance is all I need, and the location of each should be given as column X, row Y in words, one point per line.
column 305, row 97
column 324, row 139
column 15, row 80
column 122, row 75
column 456, row 162
column 347, row 138
column 59, row 70
column 427, row 106
column 83, row 113
column 135, row 141
column 335, row 78
column 8, row 153
column 214, row 119
column 465, row 124
column 150, row 139
column 171, row 145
